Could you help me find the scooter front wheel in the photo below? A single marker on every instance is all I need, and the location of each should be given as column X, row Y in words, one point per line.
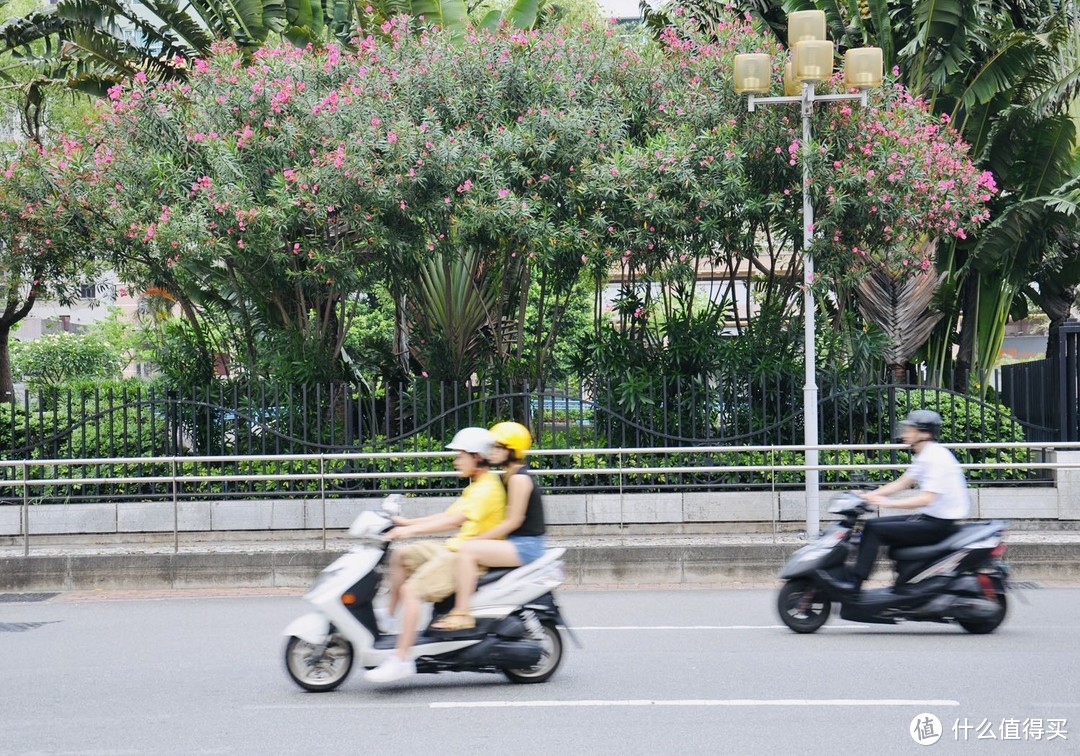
column 551, row 654
column 802, row 607
column 318, row 668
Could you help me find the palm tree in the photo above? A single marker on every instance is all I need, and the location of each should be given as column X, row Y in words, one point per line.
column 1013, row 108
column 902, row 307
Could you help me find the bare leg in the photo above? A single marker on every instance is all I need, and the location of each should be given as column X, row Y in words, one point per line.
column 410, row 619
column 475, row 554
column 397, row 579
column 468, row 571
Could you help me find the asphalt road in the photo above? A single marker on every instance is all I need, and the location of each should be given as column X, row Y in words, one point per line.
column 661, row 672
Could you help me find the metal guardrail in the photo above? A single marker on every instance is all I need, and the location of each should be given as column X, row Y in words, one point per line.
column 178, row 479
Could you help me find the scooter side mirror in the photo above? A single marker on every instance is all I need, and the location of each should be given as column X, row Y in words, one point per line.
column 392, row 505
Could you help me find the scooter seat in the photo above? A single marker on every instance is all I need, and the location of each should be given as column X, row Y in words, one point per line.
column 549, row 556
column 494, row 574
column 967, row 534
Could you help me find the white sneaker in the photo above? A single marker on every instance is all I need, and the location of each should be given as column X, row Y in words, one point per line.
column 392, row 668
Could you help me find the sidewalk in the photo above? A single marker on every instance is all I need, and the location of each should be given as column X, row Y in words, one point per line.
column 256, row 560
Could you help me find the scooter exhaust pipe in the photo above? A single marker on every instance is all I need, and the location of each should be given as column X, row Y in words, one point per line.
column 975, row 609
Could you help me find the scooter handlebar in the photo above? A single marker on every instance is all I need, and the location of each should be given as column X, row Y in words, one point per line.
column 847, row 502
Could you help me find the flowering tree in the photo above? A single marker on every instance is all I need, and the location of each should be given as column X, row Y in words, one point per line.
column 276, row 192
column 714, row 186
column 461, row 174
column 44, row 234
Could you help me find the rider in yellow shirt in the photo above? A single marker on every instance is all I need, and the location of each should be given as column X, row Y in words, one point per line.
column 424, row 571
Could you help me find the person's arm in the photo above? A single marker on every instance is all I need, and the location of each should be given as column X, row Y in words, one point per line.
column 430, row 524
column 517, row 501
column 880, row 496
column 398, row 520
column 918, row 501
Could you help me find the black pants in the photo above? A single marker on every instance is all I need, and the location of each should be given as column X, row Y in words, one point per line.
column 905, row 530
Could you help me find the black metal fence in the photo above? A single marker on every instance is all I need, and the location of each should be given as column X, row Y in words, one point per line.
column 233, row 422
column 1045, row 394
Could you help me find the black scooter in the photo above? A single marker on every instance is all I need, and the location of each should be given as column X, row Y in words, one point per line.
column 961, row 579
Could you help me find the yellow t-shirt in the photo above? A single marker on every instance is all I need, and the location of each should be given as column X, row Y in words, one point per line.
column 483, row 502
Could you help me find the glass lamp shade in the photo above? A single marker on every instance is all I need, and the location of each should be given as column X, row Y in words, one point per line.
column 813, row 60
column 752, row 73
column 804, row 26
column 792, row 87
column 862, row 68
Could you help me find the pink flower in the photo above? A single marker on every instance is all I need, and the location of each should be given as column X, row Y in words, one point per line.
column 503, row 193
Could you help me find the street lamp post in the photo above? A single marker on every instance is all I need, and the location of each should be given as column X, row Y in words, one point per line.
column 812, row 61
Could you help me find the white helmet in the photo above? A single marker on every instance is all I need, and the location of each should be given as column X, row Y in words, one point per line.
column 474, row 441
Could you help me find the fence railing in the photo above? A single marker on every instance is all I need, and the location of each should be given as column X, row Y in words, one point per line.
column 140, row 421
column 594, row 470
column 320, row 477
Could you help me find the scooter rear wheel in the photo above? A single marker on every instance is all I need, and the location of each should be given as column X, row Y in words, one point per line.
column 550, row 658
column 989, row 625
column 317, row 668
column 802, row 607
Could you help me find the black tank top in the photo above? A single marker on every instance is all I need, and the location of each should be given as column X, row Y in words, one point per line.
column 533, row 524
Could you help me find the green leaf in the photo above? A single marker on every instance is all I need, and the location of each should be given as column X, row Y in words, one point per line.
column 1012, row 60
column 523, row 13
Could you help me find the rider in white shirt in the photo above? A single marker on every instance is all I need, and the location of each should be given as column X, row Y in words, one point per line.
column 942, row 498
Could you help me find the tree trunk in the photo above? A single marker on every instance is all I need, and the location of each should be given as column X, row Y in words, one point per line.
column 898, row 372
column 11, row 315
column 7, row 387
column 969, row 323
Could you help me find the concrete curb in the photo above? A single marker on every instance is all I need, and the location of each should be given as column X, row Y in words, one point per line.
column 598, row 564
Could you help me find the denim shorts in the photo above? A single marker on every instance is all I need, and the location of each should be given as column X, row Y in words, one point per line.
column 529, row 548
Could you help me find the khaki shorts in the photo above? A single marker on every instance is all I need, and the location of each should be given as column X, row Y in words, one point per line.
column 430, row 566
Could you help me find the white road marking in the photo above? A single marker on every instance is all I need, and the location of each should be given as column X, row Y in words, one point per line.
column 575, row 628
column 744, row 702
column 595, row 703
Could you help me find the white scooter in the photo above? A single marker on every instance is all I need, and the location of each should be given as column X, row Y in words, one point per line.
column 518, row 624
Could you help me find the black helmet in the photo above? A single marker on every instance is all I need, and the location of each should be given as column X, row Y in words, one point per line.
column 925, row 420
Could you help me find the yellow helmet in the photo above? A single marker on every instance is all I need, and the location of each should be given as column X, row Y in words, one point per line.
column 514, row 436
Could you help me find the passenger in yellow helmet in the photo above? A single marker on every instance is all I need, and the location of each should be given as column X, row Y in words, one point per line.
column 516, row 541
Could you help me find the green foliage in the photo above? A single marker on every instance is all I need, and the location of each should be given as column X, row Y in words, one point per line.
column 59, row 358
column 967, row 418
column 84, row 419
column 183, row 357
column 458, row 302
column 128, row 339
column 21, row 431
column 108, row 419
column 369, row 342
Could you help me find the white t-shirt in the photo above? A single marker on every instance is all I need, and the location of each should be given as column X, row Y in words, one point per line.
column 935, row 469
